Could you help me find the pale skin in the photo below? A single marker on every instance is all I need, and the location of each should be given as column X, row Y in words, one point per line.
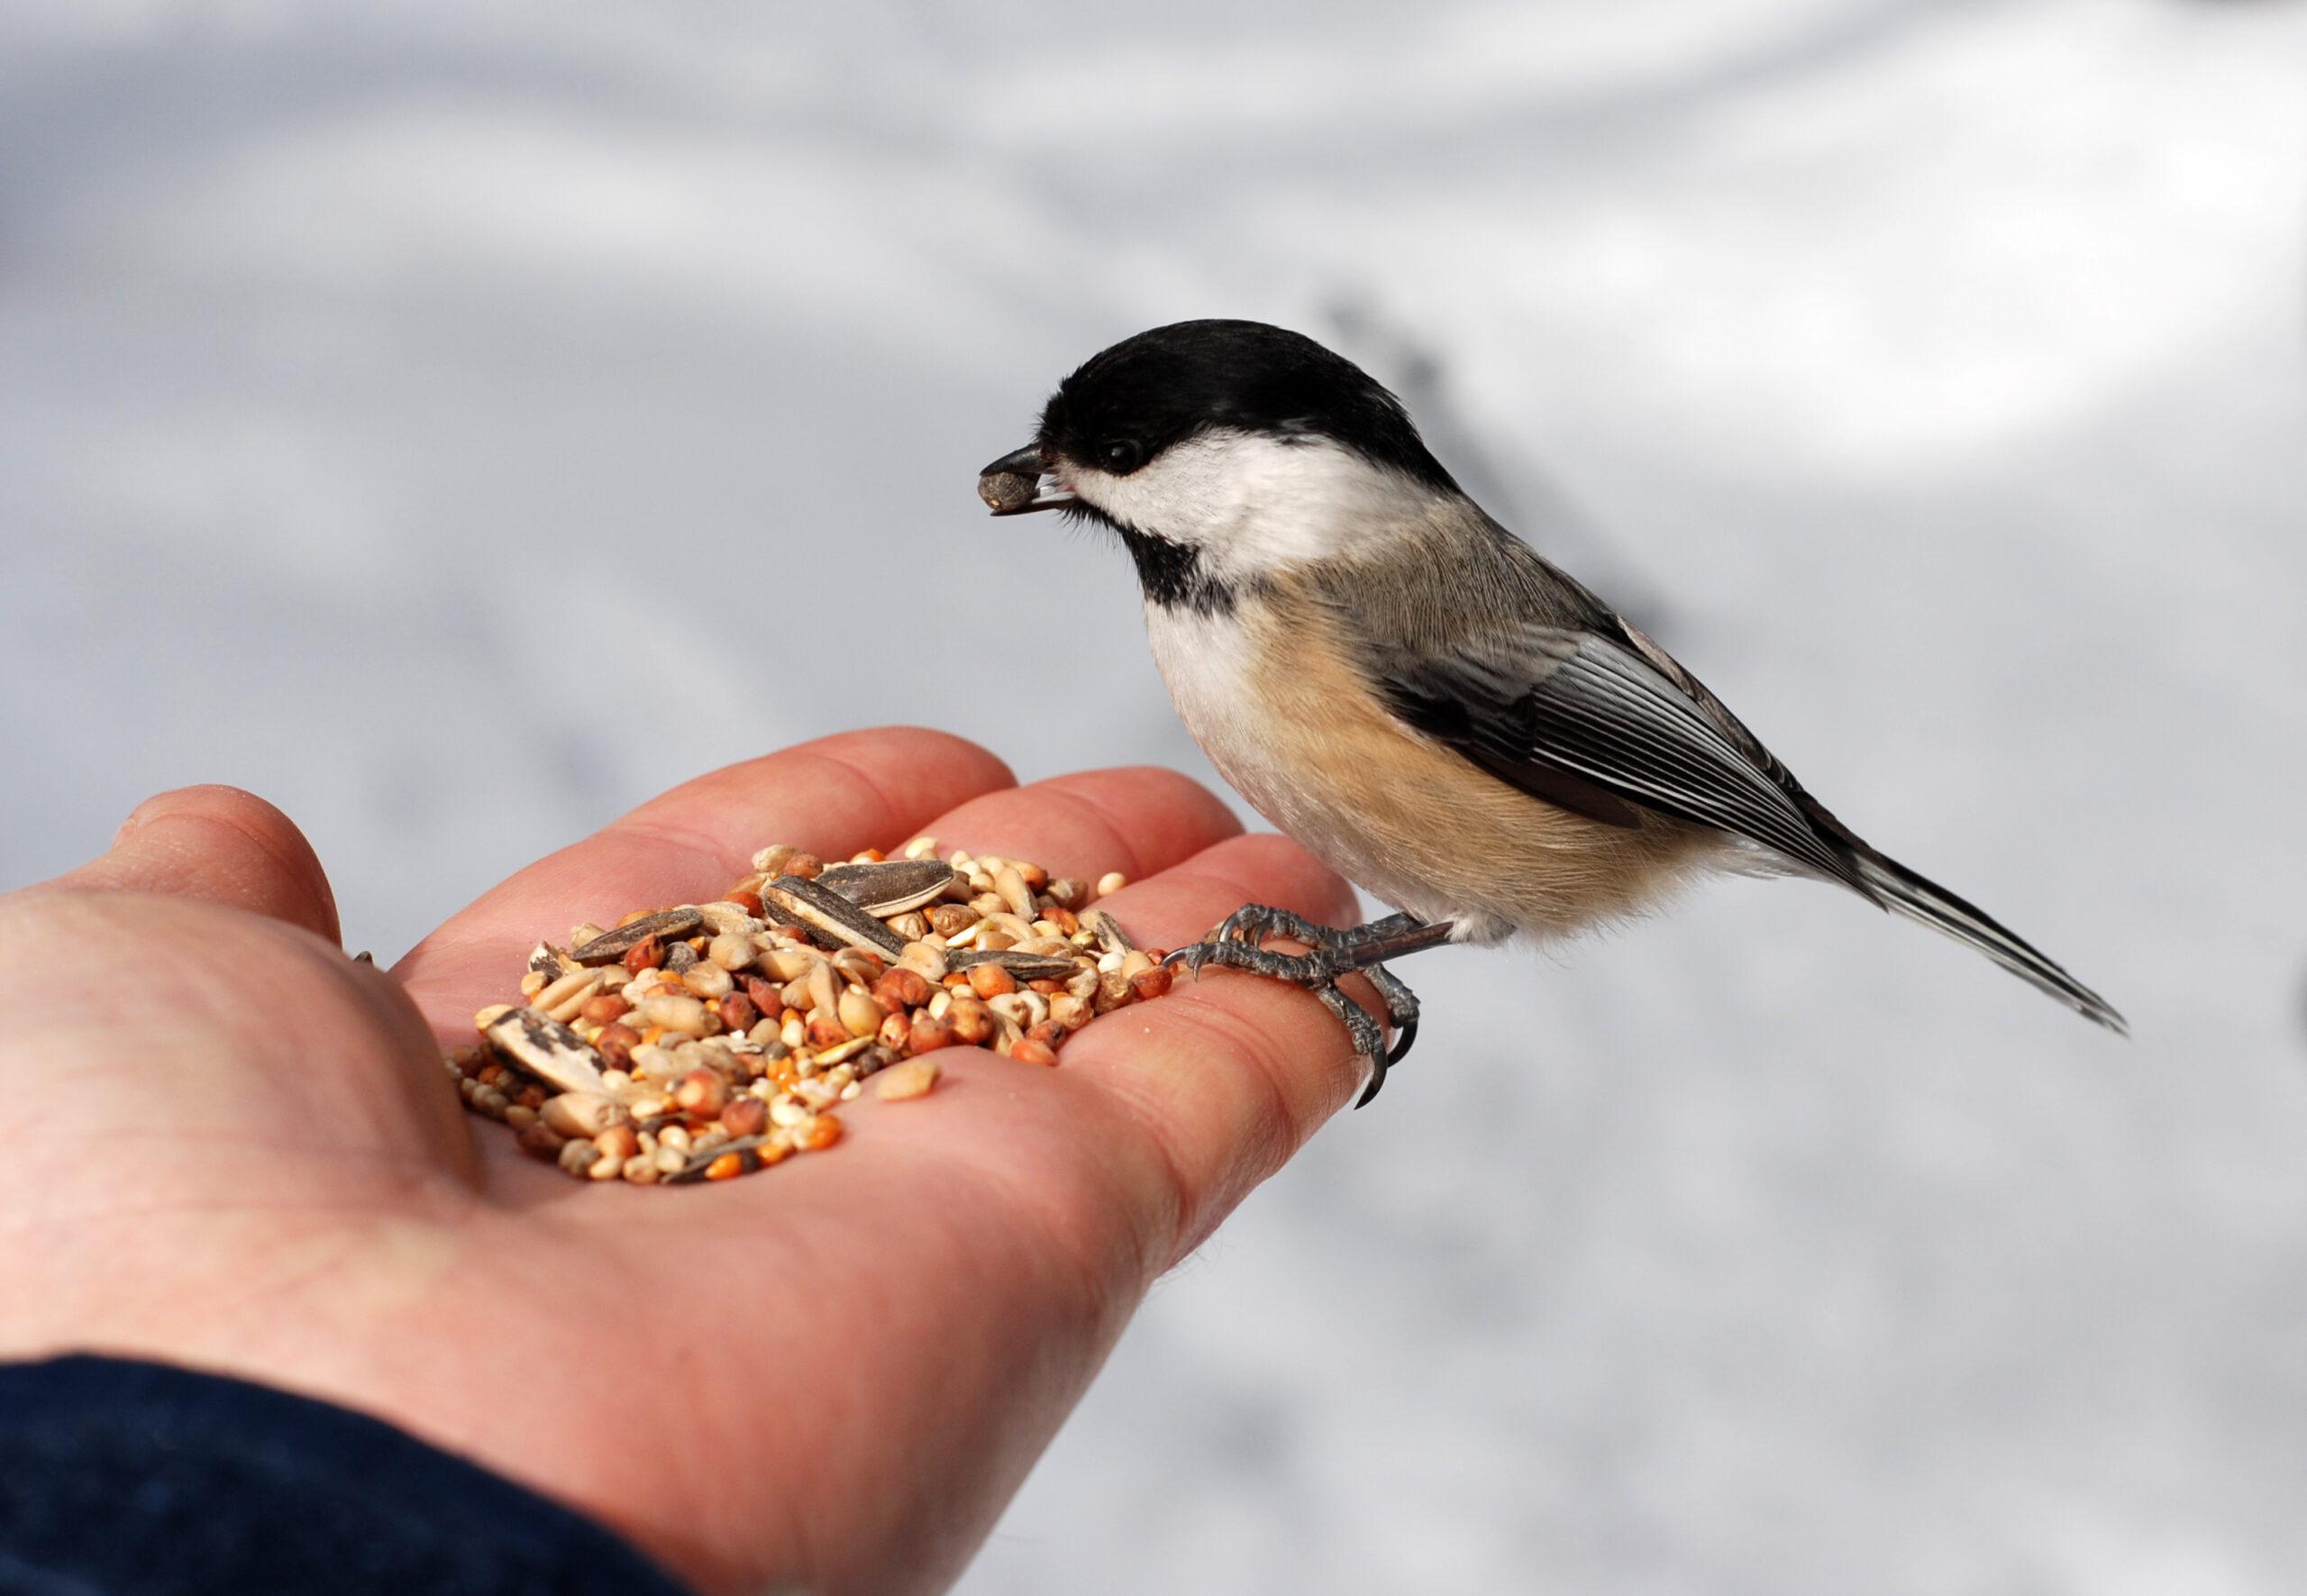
column 834, row 1373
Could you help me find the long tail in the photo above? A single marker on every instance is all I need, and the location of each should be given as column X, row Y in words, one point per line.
column 1906, row 893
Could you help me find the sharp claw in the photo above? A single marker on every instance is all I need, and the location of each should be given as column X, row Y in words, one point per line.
column 1405, row 1032
column 1369, row 1092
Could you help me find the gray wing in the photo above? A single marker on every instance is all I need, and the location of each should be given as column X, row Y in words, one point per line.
column 1592, row 722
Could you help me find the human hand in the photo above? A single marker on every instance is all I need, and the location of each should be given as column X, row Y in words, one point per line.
column 834, row 1373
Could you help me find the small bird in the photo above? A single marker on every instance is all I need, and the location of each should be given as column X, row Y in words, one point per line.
column 1410, row 691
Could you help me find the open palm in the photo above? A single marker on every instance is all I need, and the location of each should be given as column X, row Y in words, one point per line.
column 834, row 1372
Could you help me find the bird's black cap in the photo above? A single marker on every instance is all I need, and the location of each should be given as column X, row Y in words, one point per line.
column 1128, row 403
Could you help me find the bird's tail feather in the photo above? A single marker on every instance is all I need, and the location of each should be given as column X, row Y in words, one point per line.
column 1903, row 892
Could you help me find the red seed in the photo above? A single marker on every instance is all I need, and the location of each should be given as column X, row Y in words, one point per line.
column 604, row 1009
column 745, row 1116
column 737, row 1011
column 645, row 954
column 765, row 995
column 748, row 902
column 928, row 1034
column 1030, row 1052
column 972, row 1021
column 1151, row 983
column 615, row 1045
column 990, row 980
column 701, row 1094
column 902, row 989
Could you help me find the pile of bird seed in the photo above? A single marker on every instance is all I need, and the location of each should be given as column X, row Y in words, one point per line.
column 709, row 1040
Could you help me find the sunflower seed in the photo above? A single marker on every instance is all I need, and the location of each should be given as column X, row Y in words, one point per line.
column 1111, row 937
column 891, row 888
column 830, row 919
column 546, row 1049
column 1024, row 967
column 611, row 945
column 1006, row 490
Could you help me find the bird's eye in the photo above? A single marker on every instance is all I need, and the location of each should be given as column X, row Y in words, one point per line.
column 1121, row 456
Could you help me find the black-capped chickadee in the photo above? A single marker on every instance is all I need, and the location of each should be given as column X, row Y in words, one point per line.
column 1406, row 688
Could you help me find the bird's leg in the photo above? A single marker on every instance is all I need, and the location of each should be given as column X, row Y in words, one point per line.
column 1237, row 944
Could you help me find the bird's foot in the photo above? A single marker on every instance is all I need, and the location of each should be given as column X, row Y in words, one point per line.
column 1237, row 943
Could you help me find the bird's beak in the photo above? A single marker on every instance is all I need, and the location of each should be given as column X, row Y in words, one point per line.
column 1016, row 483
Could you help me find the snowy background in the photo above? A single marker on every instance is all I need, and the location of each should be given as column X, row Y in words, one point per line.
column 1927, row 372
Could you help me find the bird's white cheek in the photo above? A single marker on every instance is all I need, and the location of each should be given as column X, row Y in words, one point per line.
column 1257, row 504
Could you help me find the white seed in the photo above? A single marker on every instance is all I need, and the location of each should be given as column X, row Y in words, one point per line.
column 1014, row 892
column 790, row 963
column 555, row 994
column 925, row 961
column 585, row 1114
column 910, row 1079
column 731, row 950
column 1112, row 881
column 843, row 1052
column 860, row 1015
column 824, row 991
column 708, row 981
column 729, row 919
column 675, row 1012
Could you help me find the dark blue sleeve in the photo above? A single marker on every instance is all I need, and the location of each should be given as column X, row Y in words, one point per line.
column 118, row 1477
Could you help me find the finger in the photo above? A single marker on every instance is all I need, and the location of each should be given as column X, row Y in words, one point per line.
column 834, row 796
column 1227, row 1075
column 1137, row 820
column 218, row 843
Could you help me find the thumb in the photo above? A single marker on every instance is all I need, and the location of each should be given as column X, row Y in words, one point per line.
column 215, row 843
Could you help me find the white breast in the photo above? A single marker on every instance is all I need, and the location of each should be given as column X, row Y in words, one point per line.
column 1206, row 662
column 1211, row 666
